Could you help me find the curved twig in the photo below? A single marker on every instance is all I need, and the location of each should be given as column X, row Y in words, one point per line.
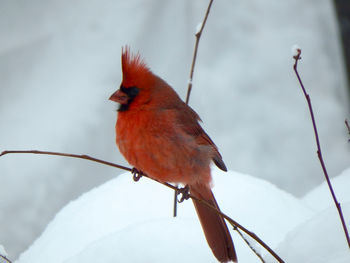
column 319, row 153
column 79, row 156
column 89, row 158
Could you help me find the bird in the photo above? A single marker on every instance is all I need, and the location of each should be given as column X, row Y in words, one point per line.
column 161, row 136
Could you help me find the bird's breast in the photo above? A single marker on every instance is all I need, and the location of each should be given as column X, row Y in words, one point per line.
column 154, row 144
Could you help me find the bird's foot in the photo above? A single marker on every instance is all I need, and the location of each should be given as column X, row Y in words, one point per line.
column 136, row 174
column 185, row 193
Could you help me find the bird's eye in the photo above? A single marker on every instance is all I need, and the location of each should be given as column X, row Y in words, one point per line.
column 123, row 89
column 130, row 91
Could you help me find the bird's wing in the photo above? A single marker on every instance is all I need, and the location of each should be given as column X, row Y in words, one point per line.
column 188, row 120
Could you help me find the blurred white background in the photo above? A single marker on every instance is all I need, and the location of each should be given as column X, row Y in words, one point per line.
column 60, row 61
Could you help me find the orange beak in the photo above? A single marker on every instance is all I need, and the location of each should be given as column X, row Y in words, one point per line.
column 119, row 97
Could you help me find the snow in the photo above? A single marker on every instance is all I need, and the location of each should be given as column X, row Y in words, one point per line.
column 320, row 198
column 322, row 235
column 60, row 61
column 199, row 27
column 319, row 240
column 125, row 221
column 295, row 50
column 3, row 251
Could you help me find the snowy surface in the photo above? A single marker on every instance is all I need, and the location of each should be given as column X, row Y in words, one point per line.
column 125, row 221
column 60, row 61
column 321, row 239
column 320, row 198
column 3, row 251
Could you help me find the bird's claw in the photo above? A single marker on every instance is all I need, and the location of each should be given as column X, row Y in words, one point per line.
column 136, row 174
column 185, row 194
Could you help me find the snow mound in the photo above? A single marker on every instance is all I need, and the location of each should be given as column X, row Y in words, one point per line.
column 319, row 240
column 320, row 198
column 125, row 221
column 3, row 251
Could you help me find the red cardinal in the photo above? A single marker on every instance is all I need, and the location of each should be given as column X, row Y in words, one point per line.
column 160, row 135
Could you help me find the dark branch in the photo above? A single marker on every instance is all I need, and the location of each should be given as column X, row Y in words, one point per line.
column 347, row 126
column 198, row 36
column 319, row 153
column 249, row 245
column 5, row 258
column 89, row 158
column 79, row 156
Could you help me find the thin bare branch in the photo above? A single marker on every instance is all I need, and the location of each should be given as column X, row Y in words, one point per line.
column 79, row 156
column 175, row 204
column 347, row 126
column 249, row 245
column 5, row 258
column 233, row 223
column 319, row 153
column 198, row 36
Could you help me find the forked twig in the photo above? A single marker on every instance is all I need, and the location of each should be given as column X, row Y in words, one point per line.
column 198, row 36
column 89, row 158
column 319, row 153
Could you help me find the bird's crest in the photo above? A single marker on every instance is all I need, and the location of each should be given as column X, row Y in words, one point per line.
column 135, row 70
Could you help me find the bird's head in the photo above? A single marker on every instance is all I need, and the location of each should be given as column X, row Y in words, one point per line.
column 137, row 82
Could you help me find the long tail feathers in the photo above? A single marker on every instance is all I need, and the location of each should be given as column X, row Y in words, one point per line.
column 214, row 226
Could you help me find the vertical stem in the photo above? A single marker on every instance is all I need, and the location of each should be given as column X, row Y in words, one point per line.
column 198, row 36
column 175, row 203
column 189, row 89
column 319, row 153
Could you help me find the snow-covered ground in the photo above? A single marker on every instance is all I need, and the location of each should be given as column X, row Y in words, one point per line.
column 60, row 61
column 124, row 221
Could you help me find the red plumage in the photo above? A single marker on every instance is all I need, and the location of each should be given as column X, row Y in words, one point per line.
column 161, row 136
